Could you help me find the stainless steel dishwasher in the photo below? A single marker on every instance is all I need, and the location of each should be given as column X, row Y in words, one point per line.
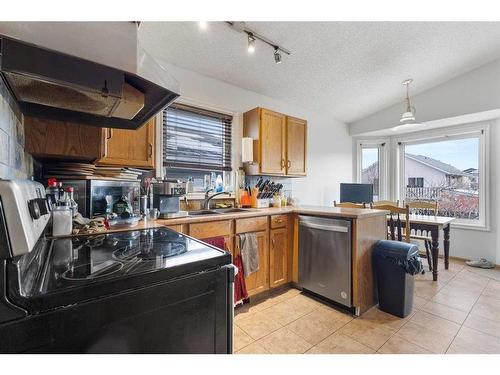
column 325, row 257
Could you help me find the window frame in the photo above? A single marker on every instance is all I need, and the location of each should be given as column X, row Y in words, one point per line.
column 382, row 145
column 200, row 106
column 480, row 130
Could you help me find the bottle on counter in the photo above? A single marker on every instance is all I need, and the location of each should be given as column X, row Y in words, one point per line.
column 62, row 196
column 218, row 184
column 52, row 193
column 71, row 201
column 190, row 185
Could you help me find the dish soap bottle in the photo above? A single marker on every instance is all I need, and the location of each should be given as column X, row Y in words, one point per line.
column 218, row 184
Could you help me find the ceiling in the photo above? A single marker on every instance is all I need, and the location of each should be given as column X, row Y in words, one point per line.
column 344, row 69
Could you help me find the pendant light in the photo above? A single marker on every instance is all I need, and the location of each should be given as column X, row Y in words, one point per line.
column 408, row 117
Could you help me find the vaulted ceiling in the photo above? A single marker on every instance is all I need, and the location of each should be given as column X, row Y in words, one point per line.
column 344, row 69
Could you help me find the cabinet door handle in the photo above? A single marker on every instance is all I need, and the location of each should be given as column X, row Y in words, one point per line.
column 289, row 164
column 150, row 150
column 272, row 243
column 282, row 163
column 110, row 133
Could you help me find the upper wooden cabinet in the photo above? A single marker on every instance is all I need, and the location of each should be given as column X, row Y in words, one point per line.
column 279, row 143
column 130, row 147
column 296, row 146
column 51, row 139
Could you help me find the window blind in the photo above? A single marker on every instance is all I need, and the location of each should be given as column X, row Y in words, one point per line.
column 194, row 138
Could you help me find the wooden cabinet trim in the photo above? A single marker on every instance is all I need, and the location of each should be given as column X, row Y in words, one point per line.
column 279, row 221
column 254, row 224
column 211, row 229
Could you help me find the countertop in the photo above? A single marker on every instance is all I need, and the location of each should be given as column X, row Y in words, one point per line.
column 352, row 213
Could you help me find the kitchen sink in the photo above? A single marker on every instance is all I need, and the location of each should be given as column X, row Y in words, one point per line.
column 203, row 212
column 232, row 210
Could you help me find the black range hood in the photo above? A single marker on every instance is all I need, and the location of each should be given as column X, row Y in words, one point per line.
column 55, row 85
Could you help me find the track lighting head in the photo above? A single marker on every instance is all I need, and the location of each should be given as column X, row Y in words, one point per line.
column 251, row 43
column 277, row 55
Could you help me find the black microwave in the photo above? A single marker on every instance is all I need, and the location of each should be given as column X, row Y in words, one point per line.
column 97, row 197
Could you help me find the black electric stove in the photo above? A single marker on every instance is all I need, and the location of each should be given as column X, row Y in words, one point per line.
column 138, row 291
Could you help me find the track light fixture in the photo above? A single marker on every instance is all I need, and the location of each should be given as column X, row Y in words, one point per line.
column 251, row 43
column 253, row 36
column 277, row 55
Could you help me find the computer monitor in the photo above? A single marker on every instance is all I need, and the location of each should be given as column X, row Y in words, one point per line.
column 356, row 193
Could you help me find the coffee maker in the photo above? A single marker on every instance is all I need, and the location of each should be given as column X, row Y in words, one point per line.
column 166, row 198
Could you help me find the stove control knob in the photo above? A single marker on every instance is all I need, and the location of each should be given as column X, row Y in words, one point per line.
column 34, row 209
column 43, row 205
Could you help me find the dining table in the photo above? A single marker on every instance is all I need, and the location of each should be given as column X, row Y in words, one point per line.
column 431, row 226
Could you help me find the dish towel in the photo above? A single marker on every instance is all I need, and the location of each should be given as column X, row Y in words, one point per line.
column 240, row 288
column 249, row 249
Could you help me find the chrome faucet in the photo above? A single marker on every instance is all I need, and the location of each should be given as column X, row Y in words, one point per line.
column 206, row 201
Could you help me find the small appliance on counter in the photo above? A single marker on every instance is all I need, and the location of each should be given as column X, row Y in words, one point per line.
column 166, row 198
column 99, row 197
column 136, row 291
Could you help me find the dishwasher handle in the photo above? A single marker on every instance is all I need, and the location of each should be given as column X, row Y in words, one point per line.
column 329, row 228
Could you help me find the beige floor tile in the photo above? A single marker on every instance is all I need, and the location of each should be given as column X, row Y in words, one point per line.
column 456, row 299
column 484, row 325
column 253, row 348
column 492, row 289
column 472, row 280
column 367, row 333
column 397, row 345
column 284, row 295
column 240, row 339
column 329, row 315
column 383, row 319
column 435, row 323
column 426, row 289
column 424, row 337
column 259, row 325
column 459, row 349
column 315, row 327
column 488, row 308
column 340, row 344
column 419, row 301
column 303, row 304
column 475, row 341
column 285, row 341
column 493, row 273
column 284, row 313
column 446, row 312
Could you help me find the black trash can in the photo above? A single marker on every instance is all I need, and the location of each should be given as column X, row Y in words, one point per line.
column 395, row 264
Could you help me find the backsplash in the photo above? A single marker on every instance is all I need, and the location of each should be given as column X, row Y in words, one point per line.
column 14, row 161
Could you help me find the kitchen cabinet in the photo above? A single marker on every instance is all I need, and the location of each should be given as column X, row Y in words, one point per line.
column 296, row 146
column 134, row 148
column 278, row 255
column 52, row 139
column 258, row 281
column 60, row 139
column 279, row 143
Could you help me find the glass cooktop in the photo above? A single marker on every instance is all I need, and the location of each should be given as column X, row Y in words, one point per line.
column 85, row 260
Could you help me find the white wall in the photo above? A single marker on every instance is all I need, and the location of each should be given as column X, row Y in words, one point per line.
column 329, row 144
column 473, row 92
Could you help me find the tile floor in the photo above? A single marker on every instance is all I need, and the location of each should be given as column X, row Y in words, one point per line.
column 459, row 314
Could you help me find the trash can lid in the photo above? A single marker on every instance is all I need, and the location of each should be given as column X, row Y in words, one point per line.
column 395, row 249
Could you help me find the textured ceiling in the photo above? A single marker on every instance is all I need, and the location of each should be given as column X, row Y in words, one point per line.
column 344, row 69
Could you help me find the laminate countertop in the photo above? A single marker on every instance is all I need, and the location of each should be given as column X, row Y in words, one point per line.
column 333, row 212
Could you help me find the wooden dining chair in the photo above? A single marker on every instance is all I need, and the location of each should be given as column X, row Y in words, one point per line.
column 349, row 204
column 424, row 208
column 397, row 229
column 384, row 202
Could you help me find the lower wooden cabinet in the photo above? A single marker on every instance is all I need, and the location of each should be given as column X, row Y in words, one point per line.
column 258, row 282
column 278, row 256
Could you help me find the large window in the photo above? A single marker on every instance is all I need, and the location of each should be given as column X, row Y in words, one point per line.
column 447, row 168
column 371, row 157
column 195, row 142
